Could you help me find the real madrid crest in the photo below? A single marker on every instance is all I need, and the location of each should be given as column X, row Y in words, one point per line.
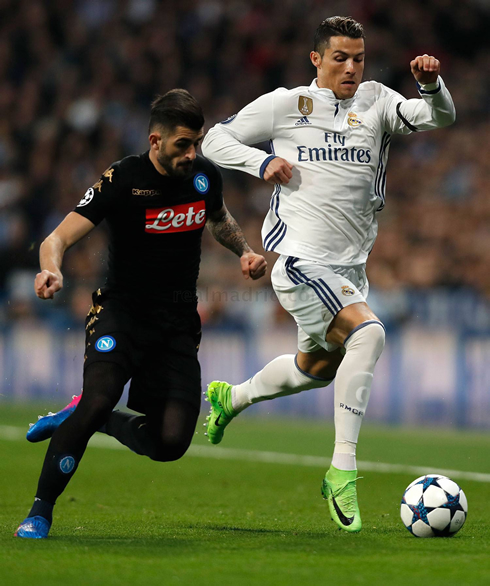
column 305, row 105
column 353, row 120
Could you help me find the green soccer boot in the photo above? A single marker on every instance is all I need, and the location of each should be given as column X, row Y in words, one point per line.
column 339, row 489
column 221, row 412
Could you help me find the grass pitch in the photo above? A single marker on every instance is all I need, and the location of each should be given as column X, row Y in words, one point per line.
column 126, row 520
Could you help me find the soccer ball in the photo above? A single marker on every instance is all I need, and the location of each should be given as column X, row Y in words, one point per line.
column 433, row 506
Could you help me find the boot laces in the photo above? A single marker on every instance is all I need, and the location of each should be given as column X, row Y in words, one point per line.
column 346, row 494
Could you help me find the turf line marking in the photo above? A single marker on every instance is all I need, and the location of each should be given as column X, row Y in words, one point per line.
column 11, row 433
column 321, row 462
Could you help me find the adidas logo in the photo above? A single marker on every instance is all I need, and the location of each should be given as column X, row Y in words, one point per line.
column 303, row 121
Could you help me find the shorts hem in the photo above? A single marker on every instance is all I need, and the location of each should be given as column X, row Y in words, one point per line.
column 142, row 400
column 110, row 359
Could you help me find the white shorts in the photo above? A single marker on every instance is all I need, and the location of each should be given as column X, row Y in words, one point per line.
column 314, row 293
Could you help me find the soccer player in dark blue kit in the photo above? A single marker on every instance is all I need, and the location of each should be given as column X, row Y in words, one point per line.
column 143, row 325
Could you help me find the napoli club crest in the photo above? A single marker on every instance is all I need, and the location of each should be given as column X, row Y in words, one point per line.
column 105, row 344
column 201, row 183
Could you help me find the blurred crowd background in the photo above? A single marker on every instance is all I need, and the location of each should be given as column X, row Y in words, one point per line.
column 76, row 82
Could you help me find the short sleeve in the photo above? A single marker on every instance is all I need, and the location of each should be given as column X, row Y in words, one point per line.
column 215, row 196
column 99, row 199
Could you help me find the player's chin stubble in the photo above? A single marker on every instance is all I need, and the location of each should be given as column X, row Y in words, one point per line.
column 174, row 169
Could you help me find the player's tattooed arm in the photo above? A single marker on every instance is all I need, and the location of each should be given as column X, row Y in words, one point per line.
column 228, row 233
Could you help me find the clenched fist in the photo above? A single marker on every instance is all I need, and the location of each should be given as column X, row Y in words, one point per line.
column 278, row 171
column 425, row 69
column 47, row 284
column 253, row 265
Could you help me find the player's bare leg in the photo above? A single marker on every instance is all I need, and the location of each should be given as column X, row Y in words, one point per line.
column 320, row 363
column 360, row 332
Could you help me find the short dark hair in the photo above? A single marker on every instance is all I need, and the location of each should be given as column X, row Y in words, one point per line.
column 176, row 108
column 336, row 26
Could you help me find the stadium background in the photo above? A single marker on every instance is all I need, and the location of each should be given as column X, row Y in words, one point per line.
column 76, row 81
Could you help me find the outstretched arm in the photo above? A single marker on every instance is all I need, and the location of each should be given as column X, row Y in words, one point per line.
column 434, row 110
column 228, row 233
column 50, row 280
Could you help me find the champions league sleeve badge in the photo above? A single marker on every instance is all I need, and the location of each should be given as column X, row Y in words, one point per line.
column 87, row 198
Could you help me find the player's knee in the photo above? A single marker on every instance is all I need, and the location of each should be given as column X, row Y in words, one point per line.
column 368, row 334
column 169, row 449
column 168, row 453
column 175, row 452
column 377, row 335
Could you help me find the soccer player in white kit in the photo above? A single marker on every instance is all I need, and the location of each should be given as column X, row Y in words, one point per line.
column 329, row 144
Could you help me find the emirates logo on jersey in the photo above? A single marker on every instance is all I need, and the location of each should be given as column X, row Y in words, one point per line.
column 179, row 218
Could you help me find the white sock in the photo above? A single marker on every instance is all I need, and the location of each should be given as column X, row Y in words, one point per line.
column 352, row 388
column 279, row 378
column 344, row 457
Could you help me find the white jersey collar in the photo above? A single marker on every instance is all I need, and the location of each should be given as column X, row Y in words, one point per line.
column 328, row 96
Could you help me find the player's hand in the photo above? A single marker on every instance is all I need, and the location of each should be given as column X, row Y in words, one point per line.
column 47, row 284
column 253, row 265
column 278, row 171
column 425, row 69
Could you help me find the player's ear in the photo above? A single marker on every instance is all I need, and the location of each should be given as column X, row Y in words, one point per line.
column 155, row 139
column 316, row 58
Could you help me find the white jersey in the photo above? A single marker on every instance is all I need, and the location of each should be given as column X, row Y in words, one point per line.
column 339, row 150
